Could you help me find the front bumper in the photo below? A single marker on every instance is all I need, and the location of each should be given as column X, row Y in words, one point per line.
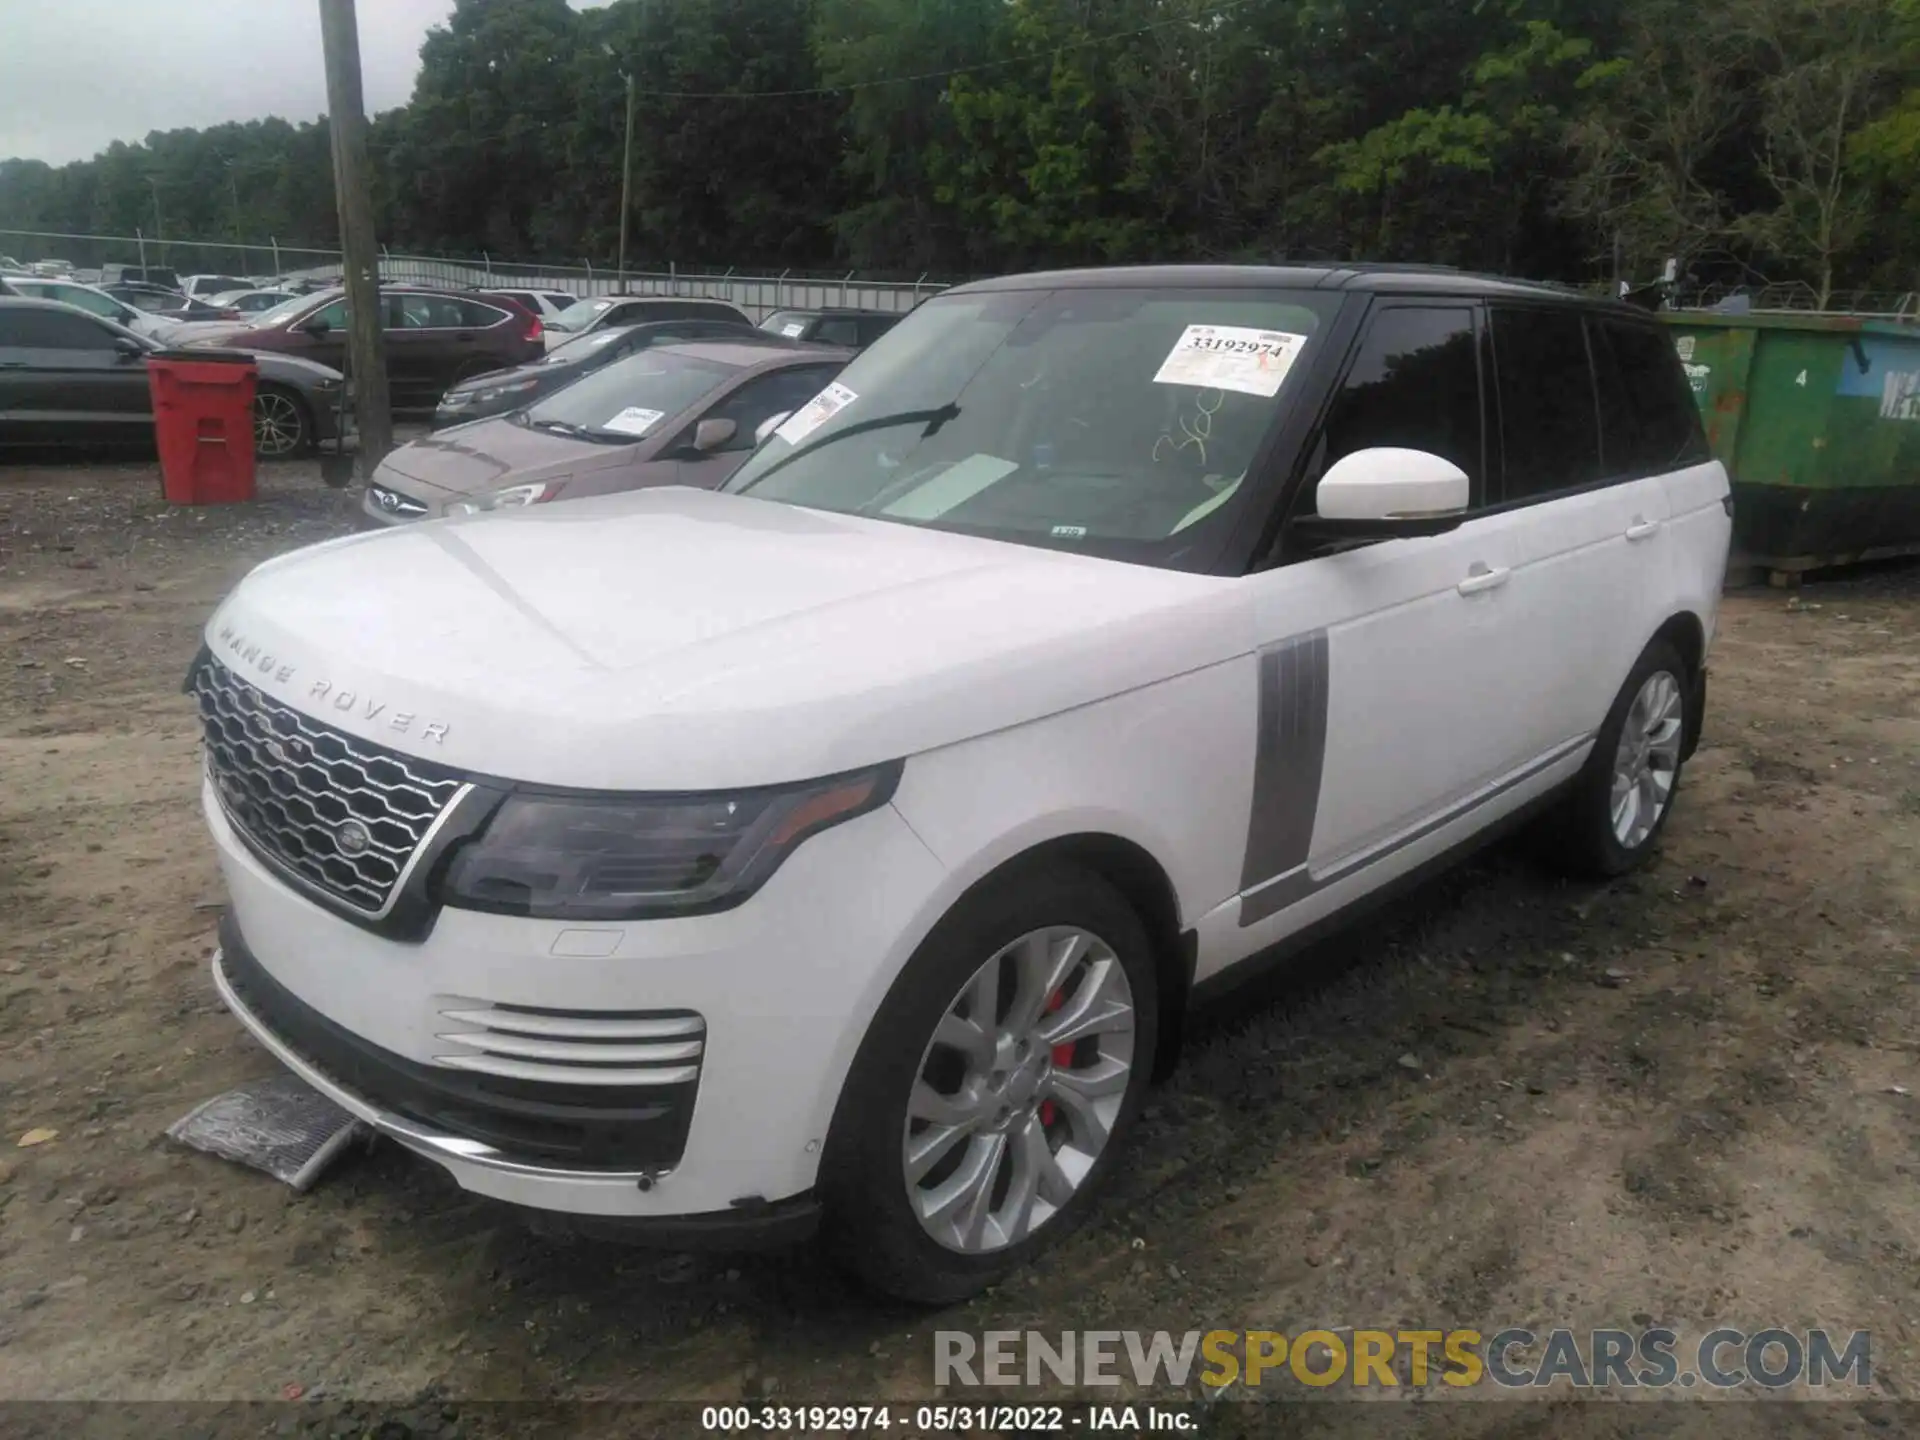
column 786, row 985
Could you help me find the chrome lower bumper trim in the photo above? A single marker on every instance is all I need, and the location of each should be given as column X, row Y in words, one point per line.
column 438, row 1147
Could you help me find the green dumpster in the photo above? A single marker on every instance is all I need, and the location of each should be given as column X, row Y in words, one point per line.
column 1817, row 419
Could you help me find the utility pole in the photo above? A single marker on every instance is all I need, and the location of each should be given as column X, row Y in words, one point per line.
column 159, row 229
column 626, row 178
column 233, row 190
column 359, row 252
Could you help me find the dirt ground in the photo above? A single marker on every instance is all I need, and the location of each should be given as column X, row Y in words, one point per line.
column 1689, row 1097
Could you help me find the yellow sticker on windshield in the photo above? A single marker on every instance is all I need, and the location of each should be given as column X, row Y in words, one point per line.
column 1231, row 357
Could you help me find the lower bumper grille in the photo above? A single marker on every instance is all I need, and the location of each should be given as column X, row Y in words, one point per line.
column 571, row 1125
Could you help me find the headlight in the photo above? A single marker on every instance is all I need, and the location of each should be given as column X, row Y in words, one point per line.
column 494, row 392
column 513, row 497
column 630, row 857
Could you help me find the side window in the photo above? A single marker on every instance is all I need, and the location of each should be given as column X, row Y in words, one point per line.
column 838, row 330
column 54, row 330
column 473, row 315
column 874, row 326
column 1415, row 385
column 335, row 315
column 1667, row 431
column 760, row 399
column 1549, row 424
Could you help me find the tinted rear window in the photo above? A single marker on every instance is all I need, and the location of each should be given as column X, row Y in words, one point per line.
column 1549, row 427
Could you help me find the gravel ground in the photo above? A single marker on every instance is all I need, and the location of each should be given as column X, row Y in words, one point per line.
column 1686, row 1097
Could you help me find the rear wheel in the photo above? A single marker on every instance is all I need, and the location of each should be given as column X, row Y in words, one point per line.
column 281, row 424
column 995, row 1087
column 1622, row 798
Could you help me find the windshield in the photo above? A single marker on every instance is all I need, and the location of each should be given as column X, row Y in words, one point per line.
column 578, row 315
column 280, row 313
column 626, row 399
column 789, row 323
column 581, row 346
column 1115, row 422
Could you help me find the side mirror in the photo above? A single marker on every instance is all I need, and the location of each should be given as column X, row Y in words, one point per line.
column 128, row 347
column 315, row 327
column 1386, row 494
column 710, row 435
column 769, row 425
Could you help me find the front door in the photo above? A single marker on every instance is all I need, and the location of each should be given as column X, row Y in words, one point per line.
column 748, row 405
column 1390, row 695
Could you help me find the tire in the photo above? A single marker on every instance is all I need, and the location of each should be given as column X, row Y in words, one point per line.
column 873, row 1225
column 282, row 424
column 1590, row 836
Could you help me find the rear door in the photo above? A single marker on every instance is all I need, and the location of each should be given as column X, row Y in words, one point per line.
column 1592, row 545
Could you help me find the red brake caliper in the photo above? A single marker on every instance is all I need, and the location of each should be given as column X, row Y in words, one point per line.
column 1062, row 1056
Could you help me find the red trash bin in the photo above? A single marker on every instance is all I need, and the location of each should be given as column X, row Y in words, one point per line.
column 203, row 424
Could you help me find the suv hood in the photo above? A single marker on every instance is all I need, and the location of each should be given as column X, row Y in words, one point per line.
column 680, row 639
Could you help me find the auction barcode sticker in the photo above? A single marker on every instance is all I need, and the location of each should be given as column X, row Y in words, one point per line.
column 1231, row 357
column 816, row 412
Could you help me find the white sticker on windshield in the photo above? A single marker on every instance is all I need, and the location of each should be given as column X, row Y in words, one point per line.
column 815, row 413
column 793, row 329
column 1231, row 357
column 634, row 421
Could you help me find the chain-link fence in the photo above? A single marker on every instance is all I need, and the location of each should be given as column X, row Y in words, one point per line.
column 757, row 292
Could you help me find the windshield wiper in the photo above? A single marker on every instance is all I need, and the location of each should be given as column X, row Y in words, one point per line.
column 558, row 427
column 934, row 419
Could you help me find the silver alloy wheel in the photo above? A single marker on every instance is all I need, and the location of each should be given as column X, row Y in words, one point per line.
column 278, row 426
column 1019, row 1089
column 1647, row 759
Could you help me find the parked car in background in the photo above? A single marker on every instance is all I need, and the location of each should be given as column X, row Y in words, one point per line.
column 159, row 275
column 850, row 329
column 170, row 305
column 680, row 414
column 544, row 303
column 598, row 311
column 205, row 287
column 68, row 377
column 52, row 267
column 87, row 298
column 249, row 302
column 434, row 338
column 503, row 390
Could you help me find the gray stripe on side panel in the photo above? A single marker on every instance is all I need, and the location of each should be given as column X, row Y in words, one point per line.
column 1288, row 757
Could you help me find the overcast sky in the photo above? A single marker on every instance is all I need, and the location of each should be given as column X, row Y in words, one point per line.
column 78, row 74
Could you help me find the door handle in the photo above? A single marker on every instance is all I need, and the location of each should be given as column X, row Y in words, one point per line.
column 1642, row 529
column 1480, row 577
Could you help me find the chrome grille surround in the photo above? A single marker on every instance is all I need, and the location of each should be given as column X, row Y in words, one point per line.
column 575, row 1047
column 340, row 815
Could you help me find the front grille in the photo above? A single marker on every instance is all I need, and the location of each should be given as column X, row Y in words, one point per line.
column 341, row 814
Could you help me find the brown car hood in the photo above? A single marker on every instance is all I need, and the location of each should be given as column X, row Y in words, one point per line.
column 475, row 458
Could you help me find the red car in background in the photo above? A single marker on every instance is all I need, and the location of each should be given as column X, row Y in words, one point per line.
column 434, row 338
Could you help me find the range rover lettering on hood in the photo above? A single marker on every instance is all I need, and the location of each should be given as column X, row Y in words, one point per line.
column 324, row 694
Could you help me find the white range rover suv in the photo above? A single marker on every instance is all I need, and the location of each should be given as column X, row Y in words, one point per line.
column 844, row 848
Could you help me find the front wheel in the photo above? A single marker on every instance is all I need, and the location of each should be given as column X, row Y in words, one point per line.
column 994, row 1088
column 281, row 425
column 1622, row 799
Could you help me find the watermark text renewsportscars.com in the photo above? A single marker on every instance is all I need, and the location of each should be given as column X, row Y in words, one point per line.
column 1516, row 1358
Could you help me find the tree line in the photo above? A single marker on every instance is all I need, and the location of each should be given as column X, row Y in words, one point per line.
column 1752, row 141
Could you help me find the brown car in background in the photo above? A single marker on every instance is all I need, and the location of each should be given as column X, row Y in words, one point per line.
column 435, row 338
column 683, row 414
